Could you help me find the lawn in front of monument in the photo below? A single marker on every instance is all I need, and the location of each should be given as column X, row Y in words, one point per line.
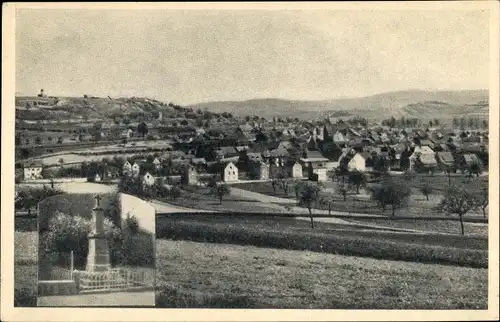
column 120, row 299
column 203, row 275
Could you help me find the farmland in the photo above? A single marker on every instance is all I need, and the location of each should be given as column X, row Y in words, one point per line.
column 195, row 275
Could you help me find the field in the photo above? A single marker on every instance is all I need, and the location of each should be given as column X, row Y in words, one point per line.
column 443, row 226
column 25, row 267
column 417, row 205
column 195, row 275
column 289, row 233
column 198, row 198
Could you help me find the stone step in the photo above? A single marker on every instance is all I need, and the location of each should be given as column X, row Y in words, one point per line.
column 61, row 287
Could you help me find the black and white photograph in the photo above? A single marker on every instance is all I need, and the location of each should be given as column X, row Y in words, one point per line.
column 272, row 158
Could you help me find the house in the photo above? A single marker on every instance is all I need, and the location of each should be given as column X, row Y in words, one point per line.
column 97, row 177
column 230, row 173
column 313, row 156
column 127, row 168
column 199, row 163
column 317, row 172
column 358, row 162
column 127, row 134
column 32, row 170
column 426, row 162
column 148, row 180
column 136, row 169
column 157, row 163
column 339, row 138
column 190, row 175
column 261, row 170
column 469, row 159
column 297, row 170
column 254, row 157
column 445, row 159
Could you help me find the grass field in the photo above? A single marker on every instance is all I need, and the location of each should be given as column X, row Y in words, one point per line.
column 198, row 198
column 444, row 226
column 25, row 267
column 195, row 275
column 289, row 233
column 417, row 205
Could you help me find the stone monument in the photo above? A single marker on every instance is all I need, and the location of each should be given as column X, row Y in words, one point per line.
column 98, row 256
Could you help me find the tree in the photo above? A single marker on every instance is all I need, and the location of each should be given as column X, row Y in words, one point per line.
column 61, row 162
column 296, row 187
column 309, row 194
column 283, row 182
column 38, row 140
column 391, row 193
column 357, row 179
column 174, row 192
column 342, row 189
column 482, row 201
column 457, row 200
column 476, row 168
column 327, row 201
column 60, row 140
column 142, row 128
column 448, row 171
column 426, row 190
column 220, row 190
column 409, row 175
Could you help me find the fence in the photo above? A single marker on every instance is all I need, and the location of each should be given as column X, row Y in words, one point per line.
column 122, row 278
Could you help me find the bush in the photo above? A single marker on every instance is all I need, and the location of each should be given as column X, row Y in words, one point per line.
column 68, row 233
column 321, row 242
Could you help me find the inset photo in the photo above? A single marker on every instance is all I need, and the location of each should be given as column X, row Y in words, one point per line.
column 96, row 250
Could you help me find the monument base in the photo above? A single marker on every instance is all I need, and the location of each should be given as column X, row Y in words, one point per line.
column 62, row 287
column 98, row 256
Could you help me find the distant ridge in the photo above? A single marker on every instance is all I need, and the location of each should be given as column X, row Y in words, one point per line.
column 397, row 103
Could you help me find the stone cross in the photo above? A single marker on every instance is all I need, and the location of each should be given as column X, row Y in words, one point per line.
column 98, row 199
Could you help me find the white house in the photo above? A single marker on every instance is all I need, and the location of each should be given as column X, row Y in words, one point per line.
column 97, row 177
column 230, row 173
column 135, row 169
column 157, row 163
column 127, row 168
column 297, row 170
column 358, row 162
column 33, row 170
column 148, row 179
column 127, row 134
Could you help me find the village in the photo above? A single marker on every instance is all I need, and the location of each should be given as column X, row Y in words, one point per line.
column 256, row 150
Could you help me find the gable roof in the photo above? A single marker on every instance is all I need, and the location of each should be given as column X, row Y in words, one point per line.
column 445, row 157
column 428, row 159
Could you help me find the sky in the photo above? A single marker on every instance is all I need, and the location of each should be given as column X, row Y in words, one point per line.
column 188, row 56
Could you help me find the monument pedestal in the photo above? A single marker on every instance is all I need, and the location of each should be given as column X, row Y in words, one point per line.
column 98, row 255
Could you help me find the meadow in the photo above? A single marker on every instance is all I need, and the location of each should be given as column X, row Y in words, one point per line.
column 202, row 275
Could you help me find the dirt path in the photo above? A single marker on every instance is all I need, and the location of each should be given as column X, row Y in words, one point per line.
column 104, row 299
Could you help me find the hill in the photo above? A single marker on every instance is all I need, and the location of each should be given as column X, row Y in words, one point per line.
column 419, row 103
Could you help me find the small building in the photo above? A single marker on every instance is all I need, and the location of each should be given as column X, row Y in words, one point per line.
column 261, row 170
column 317, row 173
column 445, row 159
column 97, row 177
column 297, row 170
column 136, row 169
column 148, row 179
column 357, row 162
column 127, row 169
column 190, row 175
column 33, row 170
column 157, row 163
column 230, row 173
